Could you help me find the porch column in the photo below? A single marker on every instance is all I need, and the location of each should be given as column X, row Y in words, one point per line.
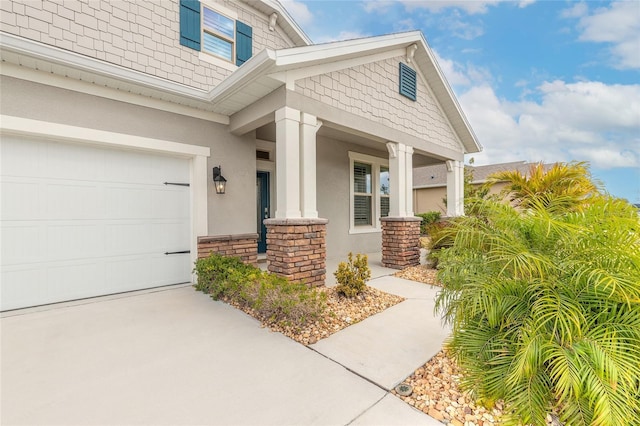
column 455, row 188
column 309, row 126
column 296, row 247
column 401, row 230
column 397, row 179
column 408, row 155
column 288, row 163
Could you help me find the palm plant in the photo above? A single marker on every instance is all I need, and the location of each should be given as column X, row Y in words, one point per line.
column 545, row 307
column 564, row 185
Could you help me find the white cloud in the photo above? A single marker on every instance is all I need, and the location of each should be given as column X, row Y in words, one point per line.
column 463, row 75
column 471, row 7
column 617, row 25
column 342, row 35
column 299, row 11
column 583, row 121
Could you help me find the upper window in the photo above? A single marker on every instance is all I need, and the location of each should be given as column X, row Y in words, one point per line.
column 218, row 33
column 215, row 32
column 369, row 192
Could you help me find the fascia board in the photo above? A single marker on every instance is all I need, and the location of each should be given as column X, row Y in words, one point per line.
column 448, row 100
column 291, row 25
column 51, row 54
column 329, row 52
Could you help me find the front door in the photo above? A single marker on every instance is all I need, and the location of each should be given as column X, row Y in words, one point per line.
column 262, row 201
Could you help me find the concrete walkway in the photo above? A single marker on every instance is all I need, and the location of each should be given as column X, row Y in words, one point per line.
column 174, row 356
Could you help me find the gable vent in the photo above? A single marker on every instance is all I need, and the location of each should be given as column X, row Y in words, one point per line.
column 407, row 82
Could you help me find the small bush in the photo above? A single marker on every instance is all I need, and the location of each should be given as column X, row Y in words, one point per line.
column 273, row 298
column 427, row 219
column 352, row 276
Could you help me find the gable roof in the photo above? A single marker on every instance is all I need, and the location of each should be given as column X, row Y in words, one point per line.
column 436, row 175
column 268, row 70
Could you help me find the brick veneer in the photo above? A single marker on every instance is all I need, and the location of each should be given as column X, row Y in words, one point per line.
column 400, row 241
column 296, row 249
column 244, row 246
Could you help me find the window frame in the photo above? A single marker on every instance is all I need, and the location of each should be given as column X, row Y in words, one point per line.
column 211, row 57
column 375, row 163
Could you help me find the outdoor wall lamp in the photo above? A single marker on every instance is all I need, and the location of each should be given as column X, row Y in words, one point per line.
column 218, row 180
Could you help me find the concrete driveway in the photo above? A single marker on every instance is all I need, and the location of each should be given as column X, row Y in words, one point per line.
column 174, row 356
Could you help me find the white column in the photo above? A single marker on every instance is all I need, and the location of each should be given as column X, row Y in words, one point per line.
column 408, row 181
column 309, row 126
column 455, row 188
column 288, row 163
column 397, row 179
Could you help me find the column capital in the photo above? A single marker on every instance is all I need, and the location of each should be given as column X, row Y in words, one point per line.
column 287, row 113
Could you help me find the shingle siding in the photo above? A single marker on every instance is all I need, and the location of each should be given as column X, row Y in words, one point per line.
column 143, row 35
column 371, row 91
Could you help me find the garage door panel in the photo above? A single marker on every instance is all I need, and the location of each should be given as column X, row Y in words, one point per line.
column 129, row 273
column 75, row 241
column 80, row 220
column 12, row 148
column 20, row 200
column 75, row 280
column 66, row 201
column 168, row 236
column 73, row 162
column 171, row 269
column 128, row 203
column 167, row 203
column 128, row 238
column 23, row 286
column 167, row 169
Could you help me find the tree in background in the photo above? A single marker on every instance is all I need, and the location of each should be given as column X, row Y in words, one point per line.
column 563, row 186
column 544, row 299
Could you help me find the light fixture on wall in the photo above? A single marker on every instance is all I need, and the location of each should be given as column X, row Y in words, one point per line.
column 218, row 180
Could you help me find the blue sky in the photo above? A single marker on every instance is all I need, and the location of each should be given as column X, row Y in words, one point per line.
column 538, row 80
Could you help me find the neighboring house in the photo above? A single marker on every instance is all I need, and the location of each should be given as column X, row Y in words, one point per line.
column 430, row 183
column 114, row 115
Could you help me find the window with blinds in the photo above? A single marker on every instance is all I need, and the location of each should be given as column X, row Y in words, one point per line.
column 362, row 195
column 384, row 191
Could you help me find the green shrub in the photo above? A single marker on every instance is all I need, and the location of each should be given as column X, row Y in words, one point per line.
column 273, row 298
column 545, row 309
column 427, row 219
column 352, row 276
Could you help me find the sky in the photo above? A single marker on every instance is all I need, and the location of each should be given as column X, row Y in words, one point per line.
column 538, row 80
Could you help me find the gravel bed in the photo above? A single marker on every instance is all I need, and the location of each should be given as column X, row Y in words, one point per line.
column 436, row 392
column 420, row 273
column 341, row 312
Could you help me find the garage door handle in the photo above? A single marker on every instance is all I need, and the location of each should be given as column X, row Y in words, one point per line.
column 177, row 252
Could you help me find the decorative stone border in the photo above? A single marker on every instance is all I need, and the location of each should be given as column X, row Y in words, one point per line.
column 244, row 246
column 297, row 250
column 400, row 241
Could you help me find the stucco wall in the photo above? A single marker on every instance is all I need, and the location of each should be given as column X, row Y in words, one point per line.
column 430, row 199
column 371, row 91
column 334, row 199
column 143, row 35
column 231, row 213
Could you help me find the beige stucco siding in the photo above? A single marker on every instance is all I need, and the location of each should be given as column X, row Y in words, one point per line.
column 143, row 35
column 334, row 199
column 371, row 91
column 431, row 199
column 231, row 213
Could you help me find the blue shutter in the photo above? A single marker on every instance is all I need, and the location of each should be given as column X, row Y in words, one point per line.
column 190, row 23
column 244, row 48
column 408, row 82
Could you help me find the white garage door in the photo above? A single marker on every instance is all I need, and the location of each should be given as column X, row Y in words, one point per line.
column 79, row 221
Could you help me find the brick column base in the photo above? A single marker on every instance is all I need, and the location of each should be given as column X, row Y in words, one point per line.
column 296, row 249
column 400, row 242
column 244, row 246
